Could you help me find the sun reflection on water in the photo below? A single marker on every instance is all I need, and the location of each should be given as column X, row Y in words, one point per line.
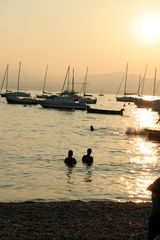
column 140, row 188
column 146, row 118
column 147, row 151
column 143, row 160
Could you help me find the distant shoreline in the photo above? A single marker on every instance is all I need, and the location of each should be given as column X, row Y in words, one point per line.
column 74, row 220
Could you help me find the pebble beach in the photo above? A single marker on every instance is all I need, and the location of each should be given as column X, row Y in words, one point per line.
column 73, row 220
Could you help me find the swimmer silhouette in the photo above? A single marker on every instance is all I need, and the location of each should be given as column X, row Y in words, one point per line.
column 70, row 161
column 87, row 159
column 91, row 128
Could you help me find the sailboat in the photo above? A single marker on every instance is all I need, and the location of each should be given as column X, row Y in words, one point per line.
column 125, row 97
column 86, row 98
column 153, row 103
column 17, row 93
column 5, row 78
column 141, row 83
column 69, row 91
column 44, row 93
column 65, row 99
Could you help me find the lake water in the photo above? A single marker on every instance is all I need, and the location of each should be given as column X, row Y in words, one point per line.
column 34, row 142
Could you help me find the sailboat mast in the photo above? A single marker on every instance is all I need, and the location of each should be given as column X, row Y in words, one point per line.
column 4, row 77
column 66, row 77
column 143, row 79
column 83, row 88
column 154, row 85
column 19, row 76
column 139, row 85
column 85, row 82
column 7, row 69
column 125, row 83
column 45, row 77
column 120, row 84
column 73, row 81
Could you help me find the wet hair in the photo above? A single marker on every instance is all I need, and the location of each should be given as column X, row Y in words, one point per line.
column 70, row 153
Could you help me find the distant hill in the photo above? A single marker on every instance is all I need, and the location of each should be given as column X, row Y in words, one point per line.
column 109, row 82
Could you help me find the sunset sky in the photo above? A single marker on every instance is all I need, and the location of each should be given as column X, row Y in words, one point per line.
column 100, row 34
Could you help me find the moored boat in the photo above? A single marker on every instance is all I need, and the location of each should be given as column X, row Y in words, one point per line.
column 21, row 100
column 44, row 93
column 105, row 111
column 60, row 102
column 145, row 103
column 88, row 100
column 153, row 134
column 17, row 93
column 125, row 99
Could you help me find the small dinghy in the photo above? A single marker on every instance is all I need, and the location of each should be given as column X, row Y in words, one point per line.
column 104, row 111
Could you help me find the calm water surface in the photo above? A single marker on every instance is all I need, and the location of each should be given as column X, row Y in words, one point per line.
column 34, row 142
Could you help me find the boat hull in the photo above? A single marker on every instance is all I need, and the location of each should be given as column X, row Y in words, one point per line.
column 143, row 103
column 153, row 134
column 88, row 100
column 104, row 111
column 18, row 100
column 62, row 103
column 125, row 99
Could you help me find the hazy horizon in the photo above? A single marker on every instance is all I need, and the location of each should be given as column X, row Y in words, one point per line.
column 95, row 83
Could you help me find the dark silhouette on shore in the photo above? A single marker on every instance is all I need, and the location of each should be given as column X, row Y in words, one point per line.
column 70, row 160
column 88, row 159
column 154, row 219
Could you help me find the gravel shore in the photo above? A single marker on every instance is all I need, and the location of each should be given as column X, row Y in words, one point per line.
column 72, row 220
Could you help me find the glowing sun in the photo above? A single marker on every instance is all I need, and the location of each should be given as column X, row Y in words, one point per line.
column 148, row 28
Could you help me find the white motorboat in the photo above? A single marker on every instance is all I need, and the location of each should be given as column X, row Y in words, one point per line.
column 62, row 102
